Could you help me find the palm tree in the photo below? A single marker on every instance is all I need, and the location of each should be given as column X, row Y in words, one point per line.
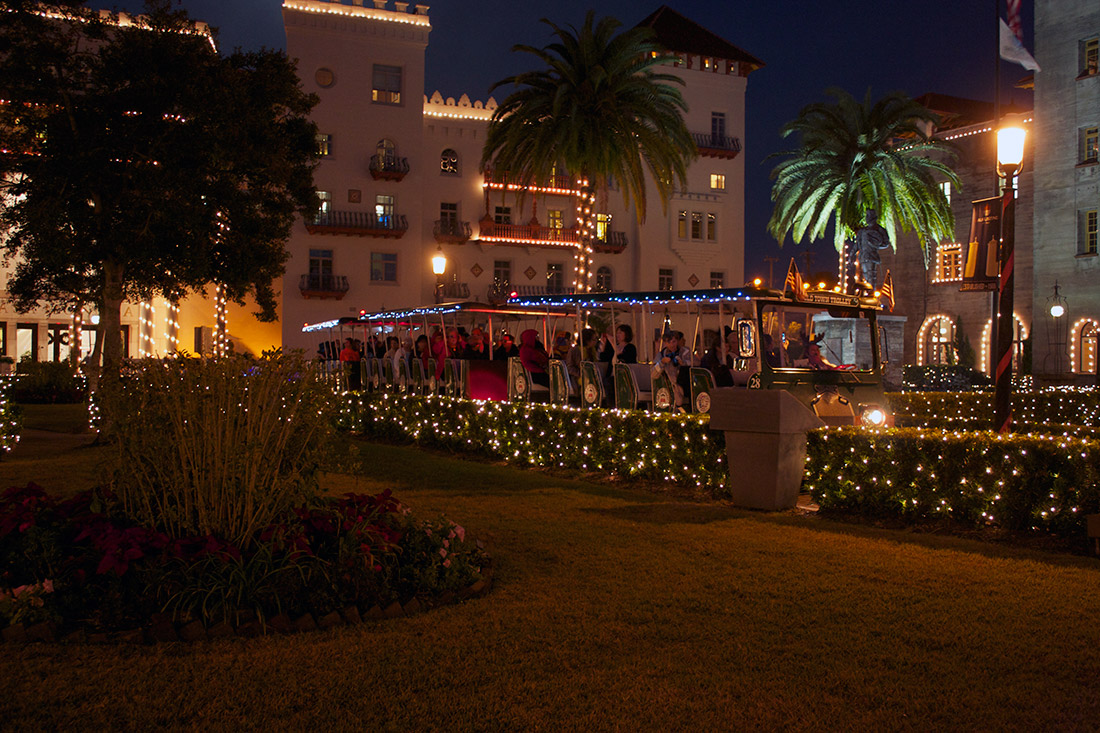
column 600, row 110
column 855, row 157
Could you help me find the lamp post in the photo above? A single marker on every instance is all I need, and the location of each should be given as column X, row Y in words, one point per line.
column 1056, row 336
column 439, row 266
column 1010, row 158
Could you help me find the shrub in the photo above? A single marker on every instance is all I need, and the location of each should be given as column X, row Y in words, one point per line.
column 678, row 449
column 47, row 382
column 1048, row 410
column 82, row 561
column 218, row 447
column 943, row 378
column 10, row 420
column 1013, row 481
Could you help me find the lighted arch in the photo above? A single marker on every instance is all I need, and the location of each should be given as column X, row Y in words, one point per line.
column 925, row 333
column 1082, row 356
column 1021, row 329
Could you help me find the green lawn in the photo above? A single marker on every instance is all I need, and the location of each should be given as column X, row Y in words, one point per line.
column 55, row 418
column 616, row 608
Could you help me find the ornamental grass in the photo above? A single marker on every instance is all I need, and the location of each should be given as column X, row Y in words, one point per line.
column 219, row 446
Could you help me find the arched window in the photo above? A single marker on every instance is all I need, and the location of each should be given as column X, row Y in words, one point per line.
column 1082, row 349
column 1019, row 335
column 603, row 279
column 448, row 162
column 936, row 341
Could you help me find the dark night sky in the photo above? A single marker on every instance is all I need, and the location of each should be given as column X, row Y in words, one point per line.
column 945, row 46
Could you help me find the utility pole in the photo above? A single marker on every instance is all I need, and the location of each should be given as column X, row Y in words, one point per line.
column 771, row 260
column 809, row 257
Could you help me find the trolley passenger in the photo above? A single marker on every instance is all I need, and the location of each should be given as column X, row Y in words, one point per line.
column 534, row 357
column 476, row 348
column 506, row 348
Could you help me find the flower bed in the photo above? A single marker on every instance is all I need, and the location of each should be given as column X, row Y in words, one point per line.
column 678, row 449
column 79, row 564
column 1014, row 481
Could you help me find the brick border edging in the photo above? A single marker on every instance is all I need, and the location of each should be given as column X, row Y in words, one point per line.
column 162, row 629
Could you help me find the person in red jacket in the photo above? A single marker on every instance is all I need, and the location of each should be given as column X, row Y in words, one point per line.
column 350, row 357
column 534, row 357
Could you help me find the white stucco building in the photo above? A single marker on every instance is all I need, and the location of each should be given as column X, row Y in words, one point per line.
column 400, row 179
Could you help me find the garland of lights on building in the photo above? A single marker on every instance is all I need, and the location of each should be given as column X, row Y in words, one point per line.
column 172, row 326
column 146, row 329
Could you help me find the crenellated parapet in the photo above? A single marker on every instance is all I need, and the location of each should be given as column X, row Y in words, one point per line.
column 365, row 9
column 463, row 109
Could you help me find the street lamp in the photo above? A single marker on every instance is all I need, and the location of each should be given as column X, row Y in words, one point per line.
column 1010, row 159
column 439, row 266
column 1056, row 335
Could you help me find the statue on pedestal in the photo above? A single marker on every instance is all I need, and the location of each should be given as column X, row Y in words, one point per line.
column 870, row 239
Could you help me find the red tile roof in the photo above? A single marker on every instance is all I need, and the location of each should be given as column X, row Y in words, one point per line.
column 678, row 34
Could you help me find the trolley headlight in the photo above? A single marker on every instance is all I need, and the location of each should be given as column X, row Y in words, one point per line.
column 873, row 416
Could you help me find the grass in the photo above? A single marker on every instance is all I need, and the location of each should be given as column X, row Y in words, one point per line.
column 55, row 418
column 615, row 608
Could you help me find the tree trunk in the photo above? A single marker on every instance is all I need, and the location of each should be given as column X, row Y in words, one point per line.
column 110, row 324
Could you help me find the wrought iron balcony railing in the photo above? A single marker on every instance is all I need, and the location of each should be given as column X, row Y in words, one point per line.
column 716, row 146
column 318, row 285
column 388, row 167
column 456, row 291
column 451, row 231
column 613, row 243
column 359, row 224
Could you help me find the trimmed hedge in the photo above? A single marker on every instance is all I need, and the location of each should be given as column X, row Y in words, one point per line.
column 678, row 449
column 1015, row 481
column 47, row 382
column 1059, row 410
column 977, row 478
column 10, row 418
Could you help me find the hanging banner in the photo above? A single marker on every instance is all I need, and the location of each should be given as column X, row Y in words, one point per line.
column 980, row 269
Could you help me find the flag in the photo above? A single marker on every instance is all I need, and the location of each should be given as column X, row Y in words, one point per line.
column 1012, row 11
column 794, row 281
column 1013, row 50
column 888, row 290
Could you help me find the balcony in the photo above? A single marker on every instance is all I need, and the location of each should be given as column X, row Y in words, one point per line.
column 498, row 293
column 613, row 243
column 388, row 167
column 716, row 146
column 456, row 291
column 501, row 180
column 527, row 235
column 359, row 224
column 451, row 231
column 323, row 286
